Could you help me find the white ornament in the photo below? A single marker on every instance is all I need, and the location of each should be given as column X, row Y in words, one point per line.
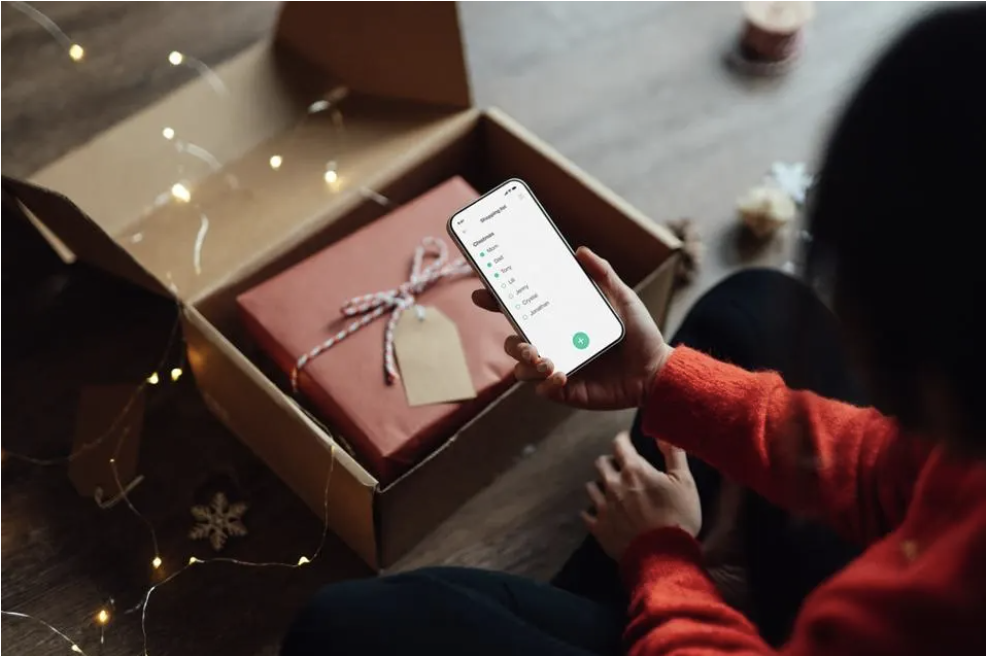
column 218, row 521
column 792, row 179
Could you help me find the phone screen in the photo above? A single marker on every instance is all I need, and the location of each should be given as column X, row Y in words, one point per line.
column 530, row 268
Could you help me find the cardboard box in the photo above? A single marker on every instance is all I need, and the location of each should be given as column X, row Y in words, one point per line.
column 408, row 126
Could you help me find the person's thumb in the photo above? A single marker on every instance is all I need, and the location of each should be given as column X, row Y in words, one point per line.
column 675, row 460
column 602, row 274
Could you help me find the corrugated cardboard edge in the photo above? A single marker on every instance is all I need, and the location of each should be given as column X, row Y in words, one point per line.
column 468, row 462
column 657, row 290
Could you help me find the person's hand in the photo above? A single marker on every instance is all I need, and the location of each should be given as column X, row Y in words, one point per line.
column 632, row 497
column 621, row 377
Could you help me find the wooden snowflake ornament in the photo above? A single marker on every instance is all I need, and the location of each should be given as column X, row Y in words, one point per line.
column 218, row 521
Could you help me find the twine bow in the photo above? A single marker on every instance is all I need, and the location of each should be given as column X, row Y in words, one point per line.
column 370, row 307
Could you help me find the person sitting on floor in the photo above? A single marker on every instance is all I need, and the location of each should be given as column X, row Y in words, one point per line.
column 864, row 529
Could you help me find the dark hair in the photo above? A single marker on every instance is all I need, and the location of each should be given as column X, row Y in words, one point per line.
column 898, row 219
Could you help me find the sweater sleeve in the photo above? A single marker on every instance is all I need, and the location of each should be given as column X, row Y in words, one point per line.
column 848, row 466
column 674, row 605
column 675, row 609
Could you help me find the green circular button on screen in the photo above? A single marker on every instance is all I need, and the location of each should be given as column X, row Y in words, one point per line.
column 580, row 340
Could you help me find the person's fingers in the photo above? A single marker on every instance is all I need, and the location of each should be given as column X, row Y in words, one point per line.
column 527, row 372
column 624, row 451
column 607, row 474
column 596, row 495
column 602, row 273
column 551, row 386
column 519, row 350
column 590, row 521
column 675, row 460
column 484, row 299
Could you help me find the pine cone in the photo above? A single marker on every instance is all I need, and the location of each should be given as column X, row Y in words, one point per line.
column 692, row 250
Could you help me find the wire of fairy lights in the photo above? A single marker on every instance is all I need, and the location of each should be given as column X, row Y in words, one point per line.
column 180, row 193
column 103, row 616
column 153, row 379
column 303, row 560
column 72, row 644
column 74, row 50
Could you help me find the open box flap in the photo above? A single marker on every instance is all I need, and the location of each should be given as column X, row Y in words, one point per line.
column 238, row 207
column 409, row 50
column 75, row 235
column 123, row 175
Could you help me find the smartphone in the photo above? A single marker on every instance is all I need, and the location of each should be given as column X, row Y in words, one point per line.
column 530, row 269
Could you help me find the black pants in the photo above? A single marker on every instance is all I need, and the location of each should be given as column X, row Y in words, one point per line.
column 755, row 319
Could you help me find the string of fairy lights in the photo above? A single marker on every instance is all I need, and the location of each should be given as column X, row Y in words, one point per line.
column 103, row 616
column 180, row 192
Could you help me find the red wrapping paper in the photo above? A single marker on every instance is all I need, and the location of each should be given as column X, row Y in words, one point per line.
column 300, row 308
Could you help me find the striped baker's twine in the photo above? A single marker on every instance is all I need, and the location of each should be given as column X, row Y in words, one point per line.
column 372, row 306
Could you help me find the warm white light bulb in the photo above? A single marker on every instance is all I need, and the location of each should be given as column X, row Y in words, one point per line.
column 103, row 616
column 192, row 560
column 76, row 52
column 154, row 379
column 156, row 563
column 331, row 176
column 276, row 161
column 176, row 374
column 76, row 648
column 176, row 58
column 181, row 192
column 168, row 133
column 318, row 106
column 303, row 561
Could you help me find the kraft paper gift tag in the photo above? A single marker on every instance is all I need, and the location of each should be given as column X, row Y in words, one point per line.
column 106, row 428
column 431, row 359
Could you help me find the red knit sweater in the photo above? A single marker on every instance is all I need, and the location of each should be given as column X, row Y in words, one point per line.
column 920, row 587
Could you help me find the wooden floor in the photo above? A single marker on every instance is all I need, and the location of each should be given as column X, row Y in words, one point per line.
column 634, row 93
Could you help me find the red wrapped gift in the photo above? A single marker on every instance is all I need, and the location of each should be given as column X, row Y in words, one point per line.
column 298, row 310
